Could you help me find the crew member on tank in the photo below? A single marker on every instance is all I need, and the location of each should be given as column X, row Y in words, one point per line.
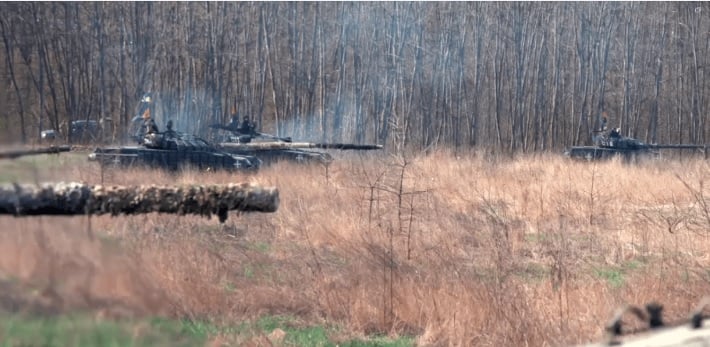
column 615, row 133
column 149, row 123
column 247, row 126
column 169, row 132
column 151, row 136
column 233, row 122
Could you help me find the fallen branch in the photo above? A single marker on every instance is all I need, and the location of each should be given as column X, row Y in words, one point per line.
column 81, row 199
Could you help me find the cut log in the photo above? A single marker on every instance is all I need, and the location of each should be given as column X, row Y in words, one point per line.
column 81, row 199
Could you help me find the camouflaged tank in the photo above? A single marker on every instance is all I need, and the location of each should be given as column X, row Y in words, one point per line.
column 173, row 151
column 610, row 144
column 243, row 139
column 169, row 150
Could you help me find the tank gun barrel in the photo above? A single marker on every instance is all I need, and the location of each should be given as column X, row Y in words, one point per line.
column 681, row 146
column 346, row 146
column 290, row 145
column 23, row 152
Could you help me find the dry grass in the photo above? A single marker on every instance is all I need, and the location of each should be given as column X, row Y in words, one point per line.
column 456, row 250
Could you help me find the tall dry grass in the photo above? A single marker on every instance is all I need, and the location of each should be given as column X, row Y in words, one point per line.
column 457, row 250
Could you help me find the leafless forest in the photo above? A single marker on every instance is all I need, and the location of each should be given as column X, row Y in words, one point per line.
column 504, row 76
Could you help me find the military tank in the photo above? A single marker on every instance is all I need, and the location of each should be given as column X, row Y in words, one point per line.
column 243, row 139
column 170, row 150
column 174, row 152
column 610, row 143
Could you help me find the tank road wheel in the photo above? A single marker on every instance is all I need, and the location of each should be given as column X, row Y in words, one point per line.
column 116, row 161
column 222, row 214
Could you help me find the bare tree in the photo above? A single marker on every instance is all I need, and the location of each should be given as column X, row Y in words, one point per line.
column 514, row 77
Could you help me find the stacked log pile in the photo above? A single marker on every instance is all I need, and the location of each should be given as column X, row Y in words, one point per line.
column 80, row 199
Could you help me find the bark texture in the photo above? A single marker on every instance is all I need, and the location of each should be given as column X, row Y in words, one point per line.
column 80, row 199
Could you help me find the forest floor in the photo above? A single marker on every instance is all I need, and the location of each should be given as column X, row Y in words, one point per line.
column 441, row 249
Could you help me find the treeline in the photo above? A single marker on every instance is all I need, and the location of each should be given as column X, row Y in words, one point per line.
column 520, row 76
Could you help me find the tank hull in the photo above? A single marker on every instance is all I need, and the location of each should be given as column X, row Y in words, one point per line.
column 172, row 160
column 601, row 153
column 272, row 156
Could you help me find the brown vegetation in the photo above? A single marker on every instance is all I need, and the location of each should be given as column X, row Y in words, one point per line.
column 456, row 250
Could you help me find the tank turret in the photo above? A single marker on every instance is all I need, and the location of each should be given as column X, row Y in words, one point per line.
column 243, row 139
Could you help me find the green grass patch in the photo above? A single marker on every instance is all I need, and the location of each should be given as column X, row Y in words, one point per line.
column 633, row 264
column 83, row 330
column 229, row 287
column 533, row 272
column 320, row 336
column 616, row 275
column 259, row 271
column 77, row 330
column 269, row 323
column 248, row 270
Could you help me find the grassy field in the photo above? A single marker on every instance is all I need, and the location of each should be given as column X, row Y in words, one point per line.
column 435, row 250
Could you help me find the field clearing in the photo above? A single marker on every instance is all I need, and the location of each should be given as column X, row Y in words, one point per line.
column 448, row 250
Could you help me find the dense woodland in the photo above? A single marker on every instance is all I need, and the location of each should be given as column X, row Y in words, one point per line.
column 525, row 76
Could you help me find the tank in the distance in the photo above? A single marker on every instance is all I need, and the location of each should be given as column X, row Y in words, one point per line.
column 609, row 143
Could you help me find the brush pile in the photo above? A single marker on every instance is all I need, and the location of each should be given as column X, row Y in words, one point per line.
column 80, row 199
